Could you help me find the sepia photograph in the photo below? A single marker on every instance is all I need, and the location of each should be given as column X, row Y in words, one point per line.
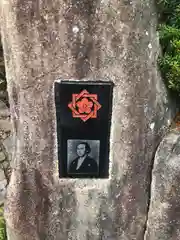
column 83, row 156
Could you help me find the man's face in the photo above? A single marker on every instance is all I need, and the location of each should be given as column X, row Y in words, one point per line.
column 81, row 150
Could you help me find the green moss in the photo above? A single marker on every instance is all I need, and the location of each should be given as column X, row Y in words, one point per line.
column 3, row 235
column 169, row 32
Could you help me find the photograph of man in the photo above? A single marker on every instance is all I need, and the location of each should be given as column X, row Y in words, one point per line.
column 83, row 164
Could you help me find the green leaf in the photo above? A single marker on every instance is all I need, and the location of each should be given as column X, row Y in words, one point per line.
column 169, row 33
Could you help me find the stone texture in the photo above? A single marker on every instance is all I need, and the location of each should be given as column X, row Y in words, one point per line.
column 164, row 215
column 1, row 175
column 110, row 40
column 4, row 110
column 6, row 148
column 2, row 156
column 5, row 125
column 3, row 187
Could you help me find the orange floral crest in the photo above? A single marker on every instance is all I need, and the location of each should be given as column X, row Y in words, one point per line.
column 84, row 105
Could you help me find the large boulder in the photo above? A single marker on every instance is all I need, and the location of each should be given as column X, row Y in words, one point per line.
column 164, row 214
column 84, row 40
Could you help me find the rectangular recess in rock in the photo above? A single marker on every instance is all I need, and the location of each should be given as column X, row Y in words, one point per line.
column 83, row 114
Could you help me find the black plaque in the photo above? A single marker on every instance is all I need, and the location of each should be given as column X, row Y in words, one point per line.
column 83, row 112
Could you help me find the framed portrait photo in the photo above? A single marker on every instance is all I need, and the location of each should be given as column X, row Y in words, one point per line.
column 83, row 156
column 83, row 113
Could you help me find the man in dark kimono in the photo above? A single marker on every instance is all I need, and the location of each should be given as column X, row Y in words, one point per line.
column 83, row 164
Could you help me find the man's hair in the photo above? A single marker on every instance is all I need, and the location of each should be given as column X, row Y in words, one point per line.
column 87, row 147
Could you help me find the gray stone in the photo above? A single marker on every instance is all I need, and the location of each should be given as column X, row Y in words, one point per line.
column 3, row 105
column 11, row 234
column 5, row 113
column 84, row 40
column 4, row 110
column 2, row 157
column 5, row 128
column 164, row 215
column 3, row 186
column 8, row 144
column 2, row 177
column 4, row 97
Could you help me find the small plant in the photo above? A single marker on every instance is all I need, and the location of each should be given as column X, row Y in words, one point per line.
column 169, row 32
column 3, row 235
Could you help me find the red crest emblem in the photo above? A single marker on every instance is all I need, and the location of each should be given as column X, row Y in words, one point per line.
column 84, row 105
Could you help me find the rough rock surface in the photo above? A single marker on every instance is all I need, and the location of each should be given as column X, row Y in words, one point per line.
column 164, row 214
column 6, row 148
column 110, row 40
